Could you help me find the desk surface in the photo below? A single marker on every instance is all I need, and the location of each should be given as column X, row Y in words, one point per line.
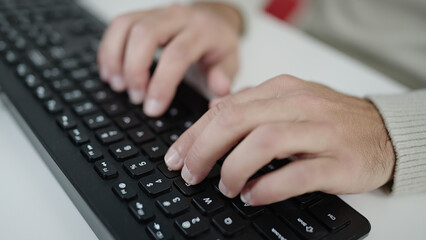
column 34, row 206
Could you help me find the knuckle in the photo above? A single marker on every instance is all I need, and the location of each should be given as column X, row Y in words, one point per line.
column 143, row 30
column 176, row 8
column 265, row 137
column 177, row 52
column 121, row 20
column 230, row 117
column 202, row 19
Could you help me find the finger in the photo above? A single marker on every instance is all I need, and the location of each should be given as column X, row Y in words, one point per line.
column 111, row 49
column 180, row 148
column 295, row 178
column 219, row 75
column 185, row 49
column 226, row 129
column 268, row 142
column 145, row 37
column 218, row 100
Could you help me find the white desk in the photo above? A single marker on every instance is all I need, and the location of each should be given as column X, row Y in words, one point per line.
column 34, row 206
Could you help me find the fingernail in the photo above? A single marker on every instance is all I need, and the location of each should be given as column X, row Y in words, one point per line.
column 136, row 96
column 104, row 73
column 223, row 189
column 245, row 197
column 187, row 176
column 117, row 83
column 172, row 158
column 152, row 107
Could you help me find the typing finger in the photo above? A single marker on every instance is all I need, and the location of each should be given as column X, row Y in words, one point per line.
column 185, row 49
column 268, row 142
column 295, row 178
column 111, row 49
column 145, row 37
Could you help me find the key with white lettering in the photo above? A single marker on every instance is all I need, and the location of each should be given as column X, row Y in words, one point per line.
column 273, row 229
column 208, row 202
column 228, row 222
column 192, row 224
column 327, row 211
column 141, row 210
column 306, row 225
column 123, row 150
column 160, row 230
column 155, row 150
column 138, row 167
column 91, row 153
column 155, row 184
column 124, row 191
column 105, row 169
column 172, row 203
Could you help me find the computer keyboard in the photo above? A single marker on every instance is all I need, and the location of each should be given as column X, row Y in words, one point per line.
column 108, row 155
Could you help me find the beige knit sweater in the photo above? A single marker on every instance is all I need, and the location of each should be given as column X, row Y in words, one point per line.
column 390, row 36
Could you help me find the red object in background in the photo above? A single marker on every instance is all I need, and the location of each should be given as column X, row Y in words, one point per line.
column 282, row 9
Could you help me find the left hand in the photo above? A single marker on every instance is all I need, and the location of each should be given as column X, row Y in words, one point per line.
column 339, row 141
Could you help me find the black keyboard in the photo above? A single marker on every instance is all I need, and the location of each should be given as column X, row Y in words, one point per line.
column 108, row 155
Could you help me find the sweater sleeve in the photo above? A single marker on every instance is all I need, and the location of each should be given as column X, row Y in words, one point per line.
column 405, row 119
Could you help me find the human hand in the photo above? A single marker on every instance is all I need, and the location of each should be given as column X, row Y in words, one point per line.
column 339, row 142
column 205, row 32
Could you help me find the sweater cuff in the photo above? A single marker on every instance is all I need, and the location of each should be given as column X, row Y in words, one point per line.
column 405, row 119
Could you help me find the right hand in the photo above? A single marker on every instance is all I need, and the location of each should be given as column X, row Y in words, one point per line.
column 204, row 32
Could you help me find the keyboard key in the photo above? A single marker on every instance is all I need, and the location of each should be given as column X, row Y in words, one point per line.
column 103, row 96
column 91, row 85
column 138, row 167
column 328, row 211
column 169, row 173
column 192, row 224
column 53, row 73
column 155, row 150
column 11, row 57
column 155, row 184
column 228, row 223
column 109, row 135
column 91, row 153
column 62, row 84
column 245, row 209
column 37, row 59
column 171, row 137
column 73, row 96
column 273, row 229
column 96, row 121
column 78, row 136
column 208, row 202
column 80, row 74
column 142, row 211
column 53, row 106
column 114, row 108
column 308, row 198
column 141, row 134
column 188, row 189
column 69, row 64
column 66, row 121
column 22, row 70
column 43, row 92
column 304, row 224
column 127, row 121
column 105, row 169
column 160, row 125
column 32, row 81
column 124, row 191
column 172, row 203
column 84, row 108
column 123, row 150
column 160, row 231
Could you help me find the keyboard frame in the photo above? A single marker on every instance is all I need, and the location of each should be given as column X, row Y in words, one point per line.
column 66, row 162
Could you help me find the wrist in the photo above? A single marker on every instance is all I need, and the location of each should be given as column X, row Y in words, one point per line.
column 231, row 15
